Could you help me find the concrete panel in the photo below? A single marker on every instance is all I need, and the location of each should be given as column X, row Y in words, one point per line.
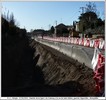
column 78, row 53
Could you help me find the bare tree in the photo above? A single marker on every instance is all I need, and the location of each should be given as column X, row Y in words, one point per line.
column 90, row 7
column 12, row 20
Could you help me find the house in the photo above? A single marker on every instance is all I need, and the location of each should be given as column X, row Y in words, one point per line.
column 38, row 32
column 73, row 33
column 61, row 30
column 74, row 30
column 77, row 26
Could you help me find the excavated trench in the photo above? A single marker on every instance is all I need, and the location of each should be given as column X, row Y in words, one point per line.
column 69, row 76
column 37, row 70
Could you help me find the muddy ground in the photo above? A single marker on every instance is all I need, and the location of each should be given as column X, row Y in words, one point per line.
column 32, row 69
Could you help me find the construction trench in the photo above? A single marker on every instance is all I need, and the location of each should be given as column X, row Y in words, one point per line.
column 43, row 71
column 75, row 79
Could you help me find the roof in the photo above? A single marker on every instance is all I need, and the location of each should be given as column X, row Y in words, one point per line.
column 61, row 26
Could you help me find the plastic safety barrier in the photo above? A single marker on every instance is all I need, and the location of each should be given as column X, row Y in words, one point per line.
column 99, row 43
column 98, row 63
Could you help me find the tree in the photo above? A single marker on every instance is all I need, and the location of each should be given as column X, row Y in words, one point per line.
column 5, row 26
column 10, row 27
column 99, row 22
column 89, row 19
column 12, row 20
column 52, row 29
column 91, row 7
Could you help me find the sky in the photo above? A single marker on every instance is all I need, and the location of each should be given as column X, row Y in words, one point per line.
column 44, row 14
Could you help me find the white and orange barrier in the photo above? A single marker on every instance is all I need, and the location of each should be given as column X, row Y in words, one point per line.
column 98, row 63
column 102, row 44
column 96, row 43
column 81, row 41
column 87, row 42
column 99, row 43
column 95, row 58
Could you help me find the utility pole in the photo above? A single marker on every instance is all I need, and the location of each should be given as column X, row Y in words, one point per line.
column 82, row 8
column 56, row 22
column 55, row 29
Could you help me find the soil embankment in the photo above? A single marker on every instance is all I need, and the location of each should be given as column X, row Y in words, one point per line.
column 32, row 69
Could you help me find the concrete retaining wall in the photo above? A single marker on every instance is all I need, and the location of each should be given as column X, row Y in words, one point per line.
column 81, row 54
